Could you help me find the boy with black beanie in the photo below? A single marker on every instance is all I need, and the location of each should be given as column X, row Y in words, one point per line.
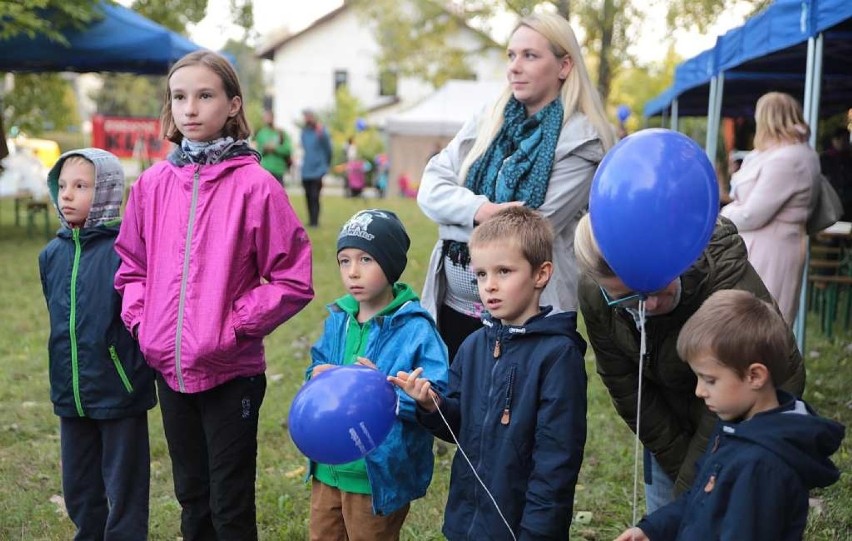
column 379, row 323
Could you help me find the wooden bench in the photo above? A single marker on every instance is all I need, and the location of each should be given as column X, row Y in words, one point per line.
column 825, row 291
column 38, row 207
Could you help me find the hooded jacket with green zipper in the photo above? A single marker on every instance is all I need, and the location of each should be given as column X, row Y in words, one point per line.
column 675, row 423
column 96, row 368
column 402, row 336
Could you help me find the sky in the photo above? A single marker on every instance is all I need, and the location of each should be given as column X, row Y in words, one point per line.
column 272, row 16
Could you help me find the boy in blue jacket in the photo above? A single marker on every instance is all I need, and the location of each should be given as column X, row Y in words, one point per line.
column 517, row 394
column 379, row 323
column 100, row 386
column 769, row 448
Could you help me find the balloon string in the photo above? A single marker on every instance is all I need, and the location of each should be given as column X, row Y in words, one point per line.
column 642, row 348
column 458, row 445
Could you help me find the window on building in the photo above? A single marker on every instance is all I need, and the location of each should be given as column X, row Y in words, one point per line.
column 341, row 78
column 388, row 80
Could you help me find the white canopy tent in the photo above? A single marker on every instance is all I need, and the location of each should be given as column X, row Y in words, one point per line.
column 416, row 134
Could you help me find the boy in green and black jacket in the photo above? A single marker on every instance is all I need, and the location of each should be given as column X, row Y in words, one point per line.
column 100, row 386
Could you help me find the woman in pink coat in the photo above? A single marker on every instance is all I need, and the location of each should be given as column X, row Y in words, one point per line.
column 771, row 193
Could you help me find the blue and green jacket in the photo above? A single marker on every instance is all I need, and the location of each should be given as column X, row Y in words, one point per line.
column 400, row 469
column 96, row 368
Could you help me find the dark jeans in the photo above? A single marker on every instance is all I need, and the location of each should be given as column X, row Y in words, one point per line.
column 312, row 196
column 212, row 439
column 454, row 328
column 106, row 472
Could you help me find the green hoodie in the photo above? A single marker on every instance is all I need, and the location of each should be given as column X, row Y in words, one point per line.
column 352, row 476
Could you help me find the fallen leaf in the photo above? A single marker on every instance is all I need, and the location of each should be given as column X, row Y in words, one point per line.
column 298, row 472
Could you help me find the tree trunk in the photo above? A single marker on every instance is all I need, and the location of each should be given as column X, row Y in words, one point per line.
column 4, row 150
column 604, row 68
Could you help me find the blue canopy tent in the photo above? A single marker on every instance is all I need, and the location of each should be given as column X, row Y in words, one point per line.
column 778, row 49
column 802, row 47
column 120, row 40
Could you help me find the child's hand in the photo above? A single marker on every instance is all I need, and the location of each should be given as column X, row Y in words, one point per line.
column 363, row 361
column 320, row 368
column 632, row 534
column 420, row 389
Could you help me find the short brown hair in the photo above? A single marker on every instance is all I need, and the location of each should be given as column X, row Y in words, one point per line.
column 236, row 126
column 519, row 225
column 738, row 329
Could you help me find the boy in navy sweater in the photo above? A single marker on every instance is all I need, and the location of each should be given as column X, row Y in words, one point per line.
column 769, row 448
column 517, row 394
column 100, row 386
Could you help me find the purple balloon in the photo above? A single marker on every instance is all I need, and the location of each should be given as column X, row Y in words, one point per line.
column 653, row 207
column 342, row 414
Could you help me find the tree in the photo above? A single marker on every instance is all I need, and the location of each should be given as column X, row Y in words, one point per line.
column 250, row 72
column 44, row 17
column 31, row 18
column 415, row 37
column 135, row 95
column 41, row 102
column 342, row 123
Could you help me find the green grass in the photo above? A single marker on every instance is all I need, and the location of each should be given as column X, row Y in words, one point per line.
column 29, row 436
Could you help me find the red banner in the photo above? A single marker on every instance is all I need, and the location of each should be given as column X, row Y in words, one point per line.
column 130, row 137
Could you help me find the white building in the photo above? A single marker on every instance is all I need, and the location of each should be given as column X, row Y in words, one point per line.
column 339, row 48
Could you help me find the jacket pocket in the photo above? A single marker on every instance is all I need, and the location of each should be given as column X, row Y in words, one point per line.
column 119, row 368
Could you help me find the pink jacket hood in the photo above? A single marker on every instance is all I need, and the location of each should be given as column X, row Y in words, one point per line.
column 213, row 259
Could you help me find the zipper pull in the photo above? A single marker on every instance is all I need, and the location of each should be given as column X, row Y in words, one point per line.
column 504, row 420
column 497, row 350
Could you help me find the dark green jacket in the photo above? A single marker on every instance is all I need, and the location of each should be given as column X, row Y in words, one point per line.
column 675, row 423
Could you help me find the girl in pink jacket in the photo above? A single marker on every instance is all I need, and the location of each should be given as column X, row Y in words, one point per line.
column 213, row 259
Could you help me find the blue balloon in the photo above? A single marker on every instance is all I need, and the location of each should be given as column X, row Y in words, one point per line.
column 360, row 125
column 623, row 113
column 653, row 207
column 342, row 414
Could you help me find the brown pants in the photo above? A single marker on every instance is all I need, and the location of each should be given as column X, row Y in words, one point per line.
column 343, row 516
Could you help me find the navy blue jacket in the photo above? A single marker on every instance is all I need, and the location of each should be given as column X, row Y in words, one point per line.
column 96, row 368
column 519, row 411
column 754, row 478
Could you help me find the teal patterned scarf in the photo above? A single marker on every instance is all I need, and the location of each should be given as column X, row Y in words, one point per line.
column 516, row 165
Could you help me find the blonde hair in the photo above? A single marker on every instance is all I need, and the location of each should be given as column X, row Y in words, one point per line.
column 590, row 260
column 520, row 226
column 78, row 158
column 779, row 119
column 738, row 329
column 577, row 94
column 236, row 126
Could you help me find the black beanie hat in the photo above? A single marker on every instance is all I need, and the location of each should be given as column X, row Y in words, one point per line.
column 379, row 233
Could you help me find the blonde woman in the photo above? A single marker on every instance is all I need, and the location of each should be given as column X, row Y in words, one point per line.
column 538, row 146
column 675, row 423
column 771, row 193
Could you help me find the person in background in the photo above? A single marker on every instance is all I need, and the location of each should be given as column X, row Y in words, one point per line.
column 379, row 323
column 836, row 164
column 771, row 196
column 675, row 423
column 274, row 146
column 100, row 386
column 517, row 394
column 538, row 146
column 769, row 447
column 316, row 159
column 213, row 259
column 735, row 161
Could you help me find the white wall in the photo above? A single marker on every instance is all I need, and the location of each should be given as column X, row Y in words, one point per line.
column 303, row 69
